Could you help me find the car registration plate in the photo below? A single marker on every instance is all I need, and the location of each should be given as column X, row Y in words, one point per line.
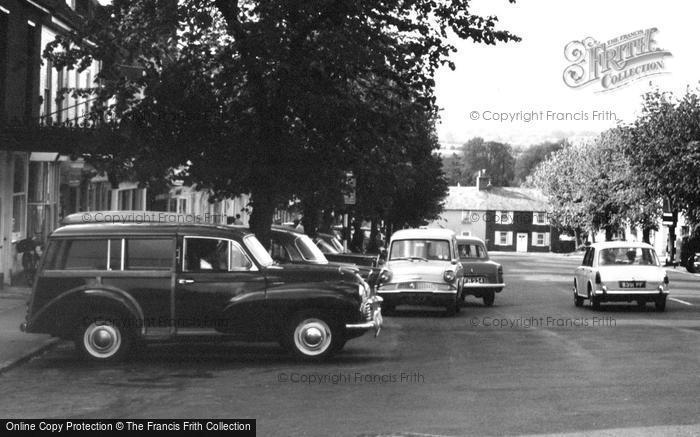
column 475, row 279
column 633, row 284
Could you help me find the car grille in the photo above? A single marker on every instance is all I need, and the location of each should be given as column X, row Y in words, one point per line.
column 418, row 285
column 366, row 310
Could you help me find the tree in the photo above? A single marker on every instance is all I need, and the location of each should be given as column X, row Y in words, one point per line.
column 496, row 158
column 600, row 190
column 527, row 160
column 664, row 149
column 265, row 98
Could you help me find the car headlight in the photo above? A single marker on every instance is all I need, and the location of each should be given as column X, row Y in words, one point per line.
column 449, row 275
column 384, row 277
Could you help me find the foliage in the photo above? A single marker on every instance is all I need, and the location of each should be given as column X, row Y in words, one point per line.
column 527, row 160
column 275, row 99
column 496, row 158
column 663, row 149
column 600, row 189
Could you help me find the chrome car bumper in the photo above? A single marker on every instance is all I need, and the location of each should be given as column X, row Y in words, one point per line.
column 375, row 323
column 482, row 285
column 630, row 292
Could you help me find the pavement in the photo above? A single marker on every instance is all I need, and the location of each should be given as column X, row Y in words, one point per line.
column 16, row 346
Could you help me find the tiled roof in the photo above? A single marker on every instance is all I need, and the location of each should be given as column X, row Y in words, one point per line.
column 495, row 199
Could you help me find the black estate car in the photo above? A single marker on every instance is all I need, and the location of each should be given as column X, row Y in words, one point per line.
column 108, row 280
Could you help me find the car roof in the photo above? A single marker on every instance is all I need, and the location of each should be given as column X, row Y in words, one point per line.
column 620, row 243
column 469, row 239
column 432, row 233
column 140, row 223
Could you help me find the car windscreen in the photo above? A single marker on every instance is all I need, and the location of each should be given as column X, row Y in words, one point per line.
column 336, row 244
column 471, row 251
column 628, row 256
column 325, row 247
column 309, row 251
column 421, row 249
column 258, row 251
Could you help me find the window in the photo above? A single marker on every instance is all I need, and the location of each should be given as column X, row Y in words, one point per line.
column 540, row 239
column 279, row 253
column 636, row 256
column 503, row 238
column 539, row 218
column 19, row 197
column 239, row 259
column 504, row 217
column 308, row 250
column 471, row 250
column 81, row 255
column 427, row 249
column 149, row 254
column 206, row 254
column 214, row 255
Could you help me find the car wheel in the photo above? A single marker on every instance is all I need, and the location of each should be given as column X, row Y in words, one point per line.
column 312, row 336
column 690, row 265
column 104, row 338
column 595, row 301
column 661, row 304
column 489, row 298
column 578, row 300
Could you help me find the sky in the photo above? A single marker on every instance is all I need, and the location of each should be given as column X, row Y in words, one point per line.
column 527, row 77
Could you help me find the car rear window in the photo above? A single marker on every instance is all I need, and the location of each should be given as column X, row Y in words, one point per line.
column 621, row 256
column 473, row 250
column 77, row 255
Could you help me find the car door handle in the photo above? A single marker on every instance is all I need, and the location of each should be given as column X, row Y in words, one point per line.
column 185, row 281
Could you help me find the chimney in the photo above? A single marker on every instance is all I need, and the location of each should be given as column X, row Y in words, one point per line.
column 483, row 182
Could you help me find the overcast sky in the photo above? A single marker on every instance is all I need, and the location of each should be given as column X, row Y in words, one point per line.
column 527, row 76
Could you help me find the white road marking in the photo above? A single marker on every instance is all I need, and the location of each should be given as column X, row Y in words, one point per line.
column 680, row 301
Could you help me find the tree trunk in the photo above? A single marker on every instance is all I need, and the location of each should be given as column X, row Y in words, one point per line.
column 358, row 236
column 646, row 233
column 326, row 221
column 261, row 219
column 311, row 218
column 608, row 233
column 373, row 246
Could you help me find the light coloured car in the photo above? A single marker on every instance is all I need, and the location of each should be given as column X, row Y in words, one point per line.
column 483, row 277
column 422, row 268
column 621, row 271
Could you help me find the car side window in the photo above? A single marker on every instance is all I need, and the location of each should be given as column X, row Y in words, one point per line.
column 279, row 253
column 206, row 255
column 239, row 259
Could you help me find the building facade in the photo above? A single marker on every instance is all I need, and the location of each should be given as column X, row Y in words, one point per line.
column 506, row 218
column 36, row 178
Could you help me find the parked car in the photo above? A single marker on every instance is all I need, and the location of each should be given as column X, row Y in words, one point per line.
column 334, row 250
column 108, row 285
column 621, row 271
column 290, row 246
column 423, row 268
column 482, row 277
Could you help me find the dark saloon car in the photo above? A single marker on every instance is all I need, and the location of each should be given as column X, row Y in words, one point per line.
column 290, row 246
column 334, row 250
column 108, row 285
column 482, row 277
